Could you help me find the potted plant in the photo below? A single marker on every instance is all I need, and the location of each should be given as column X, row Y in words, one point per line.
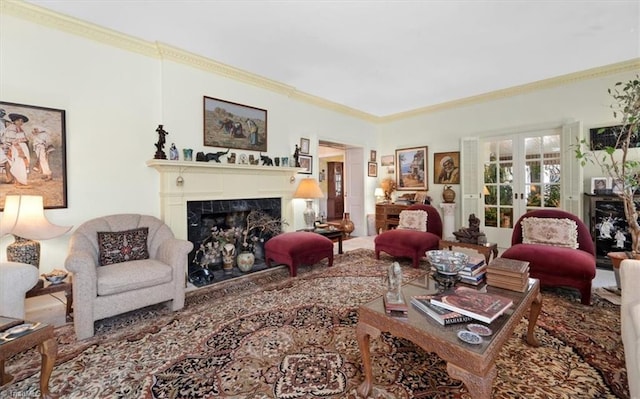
column 616, row 161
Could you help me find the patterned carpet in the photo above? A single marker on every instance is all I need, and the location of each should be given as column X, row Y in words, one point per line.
column 271, row 336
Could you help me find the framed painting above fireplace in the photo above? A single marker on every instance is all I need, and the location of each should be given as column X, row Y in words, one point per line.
column 232, row 125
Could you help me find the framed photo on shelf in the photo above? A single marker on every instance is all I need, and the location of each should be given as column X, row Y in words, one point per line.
column 304, row 146
column 617, row 186
column 446, row 167
column 46, row 159
column 306, row 163
column 373, row 169
column 231, row 125
column 411, row 169
column 600, row 185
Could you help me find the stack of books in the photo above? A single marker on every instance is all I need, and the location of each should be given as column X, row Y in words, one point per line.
column 474, row 272
column 483, row 306
column 510, row 274
column 441, row 315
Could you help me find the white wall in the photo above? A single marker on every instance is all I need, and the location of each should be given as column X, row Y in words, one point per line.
column 114, row 100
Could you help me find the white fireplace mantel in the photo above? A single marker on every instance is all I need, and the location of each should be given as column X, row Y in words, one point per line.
column 183, row 181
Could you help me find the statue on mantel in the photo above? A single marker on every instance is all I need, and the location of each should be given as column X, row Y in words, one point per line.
column 162, row 134
column 471, row 234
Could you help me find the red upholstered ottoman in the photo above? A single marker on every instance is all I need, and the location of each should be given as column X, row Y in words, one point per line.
column 298, row 248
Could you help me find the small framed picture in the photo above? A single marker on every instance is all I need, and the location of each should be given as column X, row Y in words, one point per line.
column 617, row 186
column 373, row 169
column 306, row 163
column 599, row 185
column 373, row 155
column 304, row 146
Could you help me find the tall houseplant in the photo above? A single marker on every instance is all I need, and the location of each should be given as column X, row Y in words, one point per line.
column 616, row 161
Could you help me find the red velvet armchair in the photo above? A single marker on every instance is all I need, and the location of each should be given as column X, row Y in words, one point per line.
column 557, row 266
column 409, row 243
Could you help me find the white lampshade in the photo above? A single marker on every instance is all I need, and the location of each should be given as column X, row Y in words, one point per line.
column 25, row 215
column 379, row 192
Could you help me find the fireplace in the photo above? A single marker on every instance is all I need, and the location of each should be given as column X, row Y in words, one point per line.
column 229, row 186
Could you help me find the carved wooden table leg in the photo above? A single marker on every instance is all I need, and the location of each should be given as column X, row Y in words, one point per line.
column 4, row 377
column 534, row 312
column 478, row 387
column 364, row 333
column 49, row 350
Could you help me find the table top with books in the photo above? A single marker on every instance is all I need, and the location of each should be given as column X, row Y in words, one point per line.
column 444, row 315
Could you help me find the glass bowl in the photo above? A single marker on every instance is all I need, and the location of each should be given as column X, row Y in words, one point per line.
column 447, row 262
column 55, row 278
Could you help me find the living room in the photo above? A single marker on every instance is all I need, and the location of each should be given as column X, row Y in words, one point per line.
column 116, row 90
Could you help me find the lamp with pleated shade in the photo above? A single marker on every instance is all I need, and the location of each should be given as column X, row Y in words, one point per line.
column 23, row 217
column 309, row 189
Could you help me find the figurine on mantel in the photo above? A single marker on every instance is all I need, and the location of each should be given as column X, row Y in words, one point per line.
column 471, row 234
column 296, row 156
column 160, row 144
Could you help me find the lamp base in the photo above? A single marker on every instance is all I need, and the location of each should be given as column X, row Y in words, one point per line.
column 24, row 251
column 309, row 216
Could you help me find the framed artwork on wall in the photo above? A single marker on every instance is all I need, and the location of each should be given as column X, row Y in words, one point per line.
column 304, row 146
column 35, row 161
column 389, row 162
column 373, row 169
column 411, row 169
column 373, row 155
column 231, row 125
column 306, row 163
column 446, row 167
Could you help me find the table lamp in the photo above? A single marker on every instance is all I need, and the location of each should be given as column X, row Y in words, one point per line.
column 379, row 194
column 309, row 189
column 23, row 217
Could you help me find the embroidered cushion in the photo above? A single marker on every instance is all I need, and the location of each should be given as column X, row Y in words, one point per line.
column 122, row 246
column 413, row 220
column 550, row 231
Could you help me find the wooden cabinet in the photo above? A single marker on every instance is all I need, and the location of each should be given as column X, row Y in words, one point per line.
column 388, row 216
column 335, row 190
column 608, row 226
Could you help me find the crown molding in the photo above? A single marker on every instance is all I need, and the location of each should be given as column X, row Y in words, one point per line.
column 42, row 16
column 612, row 69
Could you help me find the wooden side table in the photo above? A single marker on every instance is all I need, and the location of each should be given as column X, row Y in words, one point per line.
column 65, row 286
column 484, row 249
column 40, row 335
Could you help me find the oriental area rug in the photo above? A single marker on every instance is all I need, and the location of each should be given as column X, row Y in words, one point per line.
column 267, row 335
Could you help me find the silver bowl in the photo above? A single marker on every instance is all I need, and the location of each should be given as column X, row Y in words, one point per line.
column 447, row 262
column 55, row 278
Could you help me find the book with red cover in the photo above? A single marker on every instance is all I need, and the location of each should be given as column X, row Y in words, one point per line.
column 482, row 306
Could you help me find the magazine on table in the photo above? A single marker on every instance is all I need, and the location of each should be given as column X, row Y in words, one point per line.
column 482, row 306
column 441, row 315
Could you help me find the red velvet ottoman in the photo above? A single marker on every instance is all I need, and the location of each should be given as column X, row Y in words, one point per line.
column 298, row 248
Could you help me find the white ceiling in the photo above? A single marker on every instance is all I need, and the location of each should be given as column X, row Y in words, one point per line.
column 383, row 57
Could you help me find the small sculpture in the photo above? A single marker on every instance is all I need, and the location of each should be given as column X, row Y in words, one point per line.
column 215, row 156
column 296, row 156
column 394, row 283
column 472, row 233
column 231, row 158
column 173, row 152
column 160, row 144
column 266, row 161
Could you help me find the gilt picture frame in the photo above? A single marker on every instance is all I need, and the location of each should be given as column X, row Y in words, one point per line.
column 45, row 170
column 372, row 170
column 231, row 125
column 412, row 169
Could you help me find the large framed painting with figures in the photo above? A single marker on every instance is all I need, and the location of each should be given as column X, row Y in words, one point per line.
column 33, row 153
column 232, row 125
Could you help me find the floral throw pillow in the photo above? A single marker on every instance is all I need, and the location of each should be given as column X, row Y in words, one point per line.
column 413, row 220
column 548, row 231
column 122, row 246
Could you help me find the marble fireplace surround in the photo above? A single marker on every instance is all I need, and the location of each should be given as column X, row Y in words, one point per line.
column 184, row 181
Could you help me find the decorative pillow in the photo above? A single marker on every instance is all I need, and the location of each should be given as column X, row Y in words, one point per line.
column 549, row 231
column 122, row 246
column 413, row 220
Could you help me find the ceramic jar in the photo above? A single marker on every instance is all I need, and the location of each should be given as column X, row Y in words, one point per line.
column 245, row 261
column 346, row 224
column 448, row 195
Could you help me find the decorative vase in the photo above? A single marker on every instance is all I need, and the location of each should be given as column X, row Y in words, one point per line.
column 245, row 261
column 346, row 224
column 448, row 195
column 228, row 257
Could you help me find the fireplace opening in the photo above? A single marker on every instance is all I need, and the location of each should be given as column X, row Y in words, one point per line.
column 225, row 221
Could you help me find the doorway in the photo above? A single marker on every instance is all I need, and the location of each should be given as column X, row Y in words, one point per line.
column 331, row 177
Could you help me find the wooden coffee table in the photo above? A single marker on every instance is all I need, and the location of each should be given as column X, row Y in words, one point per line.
column 474, row 365
column 42, row 336
column 484, row 249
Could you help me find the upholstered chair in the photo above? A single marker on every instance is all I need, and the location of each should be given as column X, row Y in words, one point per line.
column 121, row 263
column 555, row 263
column 630, row 322
column 408, row 243
column 15, row 280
